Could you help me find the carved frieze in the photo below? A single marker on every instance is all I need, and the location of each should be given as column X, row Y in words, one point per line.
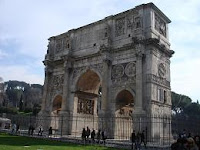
column 85, row 106
column 160, row 25
column 59, row 45
column 120, row 26
column 123, row 80
column 158, row 80
column 56, row 84
column 138, row 22
column 130, row 23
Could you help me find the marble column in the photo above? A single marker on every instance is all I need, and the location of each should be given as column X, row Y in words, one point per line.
column 105, row 86
column 45, row 89
column 138, row 101
column 106, row 112
column 65, row 101
column 139, row 113
column 139, row 80
column 65, row 115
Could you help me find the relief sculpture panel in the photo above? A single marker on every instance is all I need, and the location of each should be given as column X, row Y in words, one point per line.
column 121, row 75
column 120, row 26
column 57, row 84
column 160, row 25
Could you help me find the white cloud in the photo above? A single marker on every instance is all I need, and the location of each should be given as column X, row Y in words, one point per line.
column 20, row 73
column 185, row 77
column 3, row 54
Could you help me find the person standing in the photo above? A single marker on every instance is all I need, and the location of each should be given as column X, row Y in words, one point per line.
column 50, row 131
column 87, row 133
column 143, row 138
column 133, row 138
column 99, row 136
column 40, row 130
column 103, row 135
column 93, row 135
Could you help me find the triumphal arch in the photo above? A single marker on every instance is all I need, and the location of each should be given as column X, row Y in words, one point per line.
column 117, row 67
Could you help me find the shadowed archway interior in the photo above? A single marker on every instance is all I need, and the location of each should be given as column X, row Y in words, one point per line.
column 57, row 103
column 124, row 103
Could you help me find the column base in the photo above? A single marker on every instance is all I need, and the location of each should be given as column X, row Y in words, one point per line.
column 66, row 121
column 44, row 119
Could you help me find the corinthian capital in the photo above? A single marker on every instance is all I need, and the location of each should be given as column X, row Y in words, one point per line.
column 139, row 50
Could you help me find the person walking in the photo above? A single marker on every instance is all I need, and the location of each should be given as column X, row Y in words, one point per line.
column 83, row 135
column 138, row 141
column 143, row 138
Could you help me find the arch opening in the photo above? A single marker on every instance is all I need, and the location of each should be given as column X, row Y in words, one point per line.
column 124, row 103
column 56, row 107
column 87, row 95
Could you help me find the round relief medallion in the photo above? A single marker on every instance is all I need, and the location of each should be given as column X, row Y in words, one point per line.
column 161, row 70
column 130, row 69
column 117, row 71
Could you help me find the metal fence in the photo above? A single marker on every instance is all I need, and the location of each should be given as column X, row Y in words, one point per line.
column 160, row 131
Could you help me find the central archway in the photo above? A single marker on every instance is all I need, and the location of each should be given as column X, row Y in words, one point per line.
column 87, row 101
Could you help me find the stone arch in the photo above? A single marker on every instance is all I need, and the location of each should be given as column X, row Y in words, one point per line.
column 88, row 81
column 124, row 103
column 86, row 99
column 121, row 89
column 124, row 106
column 56, row 107
column 83, row 71
column 57, row 103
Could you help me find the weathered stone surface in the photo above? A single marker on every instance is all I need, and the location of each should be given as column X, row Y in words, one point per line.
column 118, row 66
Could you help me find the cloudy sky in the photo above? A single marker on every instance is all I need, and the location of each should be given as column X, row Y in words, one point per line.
column 25, row 26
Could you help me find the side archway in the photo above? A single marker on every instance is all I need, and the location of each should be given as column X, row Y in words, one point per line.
column 124, row 105
column 56, row 107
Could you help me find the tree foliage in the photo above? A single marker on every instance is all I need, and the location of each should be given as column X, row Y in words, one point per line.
column 183, row 107
column 23, row 96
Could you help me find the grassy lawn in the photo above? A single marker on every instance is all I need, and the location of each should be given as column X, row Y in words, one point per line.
column 10, row 142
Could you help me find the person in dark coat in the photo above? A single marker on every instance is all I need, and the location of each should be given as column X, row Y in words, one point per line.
column 50, row 131
column 83, row 135
column 103, row 135
column 197, row 141
column 32, row 130
column 99, row 136
column 93, row 135
column 133, row 138
column 143, row 138
column 29, row 130
column 87, row 133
